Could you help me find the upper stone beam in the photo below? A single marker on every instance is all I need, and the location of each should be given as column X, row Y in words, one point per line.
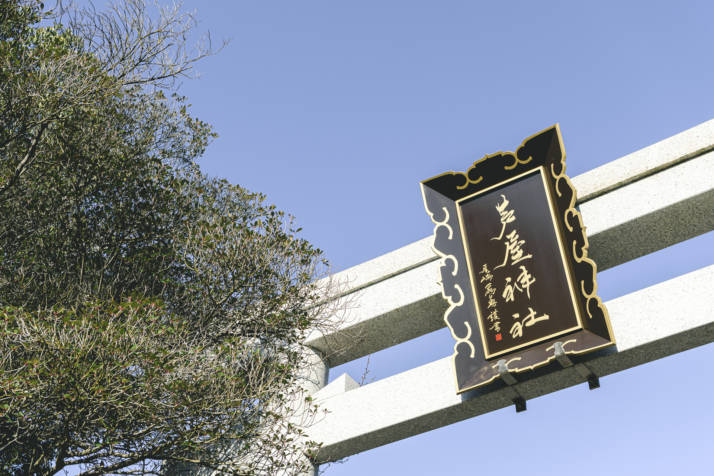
column 631, row 207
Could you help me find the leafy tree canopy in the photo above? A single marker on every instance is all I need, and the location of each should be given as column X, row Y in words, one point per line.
column 149, row 315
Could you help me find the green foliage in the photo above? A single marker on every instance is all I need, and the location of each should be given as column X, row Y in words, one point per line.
column 109, row 381
column 149, row 315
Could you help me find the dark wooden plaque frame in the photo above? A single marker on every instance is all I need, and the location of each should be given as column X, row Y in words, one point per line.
column 442, row 195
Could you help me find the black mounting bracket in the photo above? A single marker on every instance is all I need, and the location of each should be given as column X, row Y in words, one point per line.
column 509, row 379
column 582, row 369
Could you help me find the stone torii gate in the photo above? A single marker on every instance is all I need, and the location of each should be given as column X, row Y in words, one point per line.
column 632, row 206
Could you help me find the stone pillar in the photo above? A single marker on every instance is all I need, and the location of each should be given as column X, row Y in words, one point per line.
column 316, row 373
column 315, row 377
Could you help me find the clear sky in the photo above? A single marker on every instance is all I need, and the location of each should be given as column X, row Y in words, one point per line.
column 336, row 110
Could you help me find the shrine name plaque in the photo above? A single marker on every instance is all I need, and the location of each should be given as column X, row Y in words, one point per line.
column 514, row 266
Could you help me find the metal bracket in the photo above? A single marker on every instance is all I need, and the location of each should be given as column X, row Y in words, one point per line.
column 510, row 380
column 582, row 369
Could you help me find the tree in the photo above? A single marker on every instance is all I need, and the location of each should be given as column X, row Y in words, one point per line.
column 149, row 315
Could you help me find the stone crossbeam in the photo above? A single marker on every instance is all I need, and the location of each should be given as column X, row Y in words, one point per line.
column 649, row 324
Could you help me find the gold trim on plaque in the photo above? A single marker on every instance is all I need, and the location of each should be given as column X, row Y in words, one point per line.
column 560, row 181
column 573, row 299
column 443, row 258
column 517, row 161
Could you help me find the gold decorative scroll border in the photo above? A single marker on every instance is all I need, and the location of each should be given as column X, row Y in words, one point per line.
column 576, row 232
column 444, row 259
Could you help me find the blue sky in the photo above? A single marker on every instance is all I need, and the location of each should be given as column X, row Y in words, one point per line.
column 336, row 110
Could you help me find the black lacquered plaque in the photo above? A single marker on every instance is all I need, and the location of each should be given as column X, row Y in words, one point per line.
column 514, row 266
